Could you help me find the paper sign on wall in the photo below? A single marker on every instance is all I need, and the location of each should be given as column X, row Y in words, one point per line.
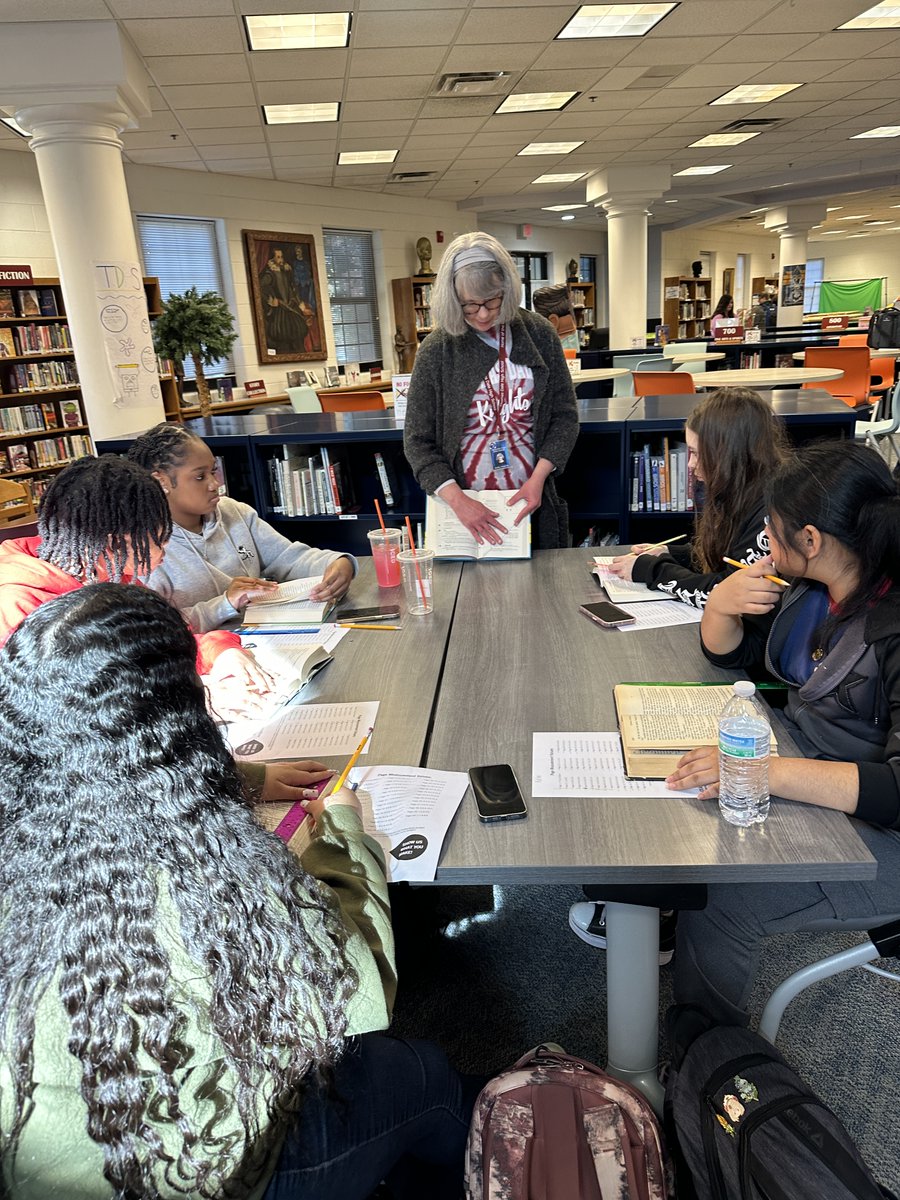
column 122, row 310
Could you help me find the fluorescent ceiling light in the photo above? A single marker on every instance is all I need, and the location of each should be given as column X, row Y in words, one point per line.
column 711, row 170
column 725, row 139
column 880, row 131
column 855, row 217
column 299, row 114
column 561, row 207
column 14, row 125
column 614, row 20
column 754, row 211
column 838, row 207
column 825, row 232
column 670, row 201
column 880, row 16
column 350, row 158
column 298, row 31
column 570, row 217
column 570, row 178
column 549, row 148
column 878, row 222
column 535, row 101
column 756, row 93
column 855, row 235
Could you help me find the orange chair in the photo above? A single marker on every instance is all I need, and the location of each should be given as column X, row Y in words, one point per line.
column 853, row 387
column 882, row 368
column 352, row 402
column 663, row 383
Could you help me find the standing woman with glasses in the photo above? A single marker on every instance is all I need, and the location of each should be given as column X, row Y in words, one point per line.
column 491, row 403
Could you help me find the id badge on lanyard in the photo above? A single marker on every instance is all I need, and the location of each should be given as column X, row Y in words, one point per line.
column 499, row 449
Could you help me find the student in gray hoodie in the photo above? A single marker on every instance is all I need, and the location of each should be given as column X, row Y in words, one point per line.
column 221, row 554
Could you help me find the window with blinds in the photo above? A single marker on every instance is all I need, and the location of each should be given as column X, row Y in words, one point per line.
column 350, row 267
column 183, row 252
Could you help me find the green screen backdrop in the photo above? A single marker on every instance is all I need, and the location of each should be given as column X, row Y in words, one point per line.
column 850, row 297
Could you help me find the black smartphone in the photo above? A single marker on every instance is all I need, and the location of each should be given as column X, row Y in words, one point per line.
column 606, row 614
column 384, row 612
column 497, row 793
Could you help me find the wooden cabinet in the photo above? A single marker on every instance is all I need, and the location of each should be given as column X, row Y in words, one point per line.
column 412, row 316
column 583, row 295
column 759, row 285
column 687, row 307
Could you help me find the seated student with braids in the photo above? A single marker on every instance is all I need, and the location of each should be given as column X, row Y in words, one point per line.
column 834, row 639
column 221, row 554
column 107, row 519
column 177, row 989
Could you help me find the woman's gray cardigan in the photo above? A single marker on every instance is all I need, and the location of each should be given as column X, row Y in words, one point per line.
column 447, row 372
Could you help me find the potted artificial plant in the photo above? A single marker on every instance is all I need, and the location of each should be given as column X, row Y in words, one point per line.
column 199, row 326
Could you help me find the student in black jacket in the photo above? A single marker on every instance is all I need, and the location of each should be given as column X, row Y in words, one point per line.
column 734, row 443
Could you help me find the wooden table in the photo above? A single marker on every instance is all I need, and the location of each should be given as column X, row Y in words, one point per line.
column 522, row 659
column 708, row 356
column 886, row 352
column 766, row 377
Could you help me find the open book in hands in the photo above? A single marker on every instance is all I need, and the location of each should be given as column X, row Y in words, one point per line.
column 446, row 535
column 289, row 604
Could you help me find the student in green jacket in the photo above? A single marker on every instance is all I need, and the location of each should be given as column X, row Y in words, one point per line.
column 177, row 990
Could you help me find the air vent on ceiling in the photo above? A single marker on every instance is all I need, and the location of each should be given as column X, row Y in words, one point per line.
column 752, row 124
column 473, row 83
column 412, row 176
column 656, row 77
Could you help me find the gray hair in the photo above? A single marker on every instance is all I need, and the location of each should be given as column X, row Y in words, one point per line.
column 496, row 274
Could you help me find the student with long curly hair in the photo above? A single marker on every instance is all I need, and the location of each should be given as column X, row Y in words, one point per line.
column 734, row 443
column 177, row 989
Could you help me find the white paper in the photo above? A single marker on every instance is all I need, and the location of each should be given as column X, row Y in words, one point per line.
column 122, row 312
column 292, row 589
column 658, row 616
column 446, row 535
column 409, row 810
column 327, row 636
column 304, row 731
column 587, row 764
column 624, row 589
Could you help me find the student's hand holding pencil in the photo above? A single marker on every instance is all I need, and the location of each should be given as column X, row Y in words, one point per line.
column 751, row 591
column 343, row 795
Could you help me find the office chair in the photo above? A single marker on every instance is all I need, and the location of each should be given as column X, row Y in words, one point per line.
column 696, row 365
column 882, row 367
column 880, row 428
column 884, row 942
column 663, row 383
column 854, row 387
column 304, row 400
column 355, row 402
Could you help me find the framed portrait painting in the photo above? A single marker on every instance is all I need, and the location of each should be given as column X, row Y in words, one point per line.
column 283, row 276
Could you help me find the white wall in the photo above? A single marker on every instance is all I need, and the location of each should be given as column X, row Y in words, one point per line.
column 861, row 258
column 680, row 247
column 24, row 232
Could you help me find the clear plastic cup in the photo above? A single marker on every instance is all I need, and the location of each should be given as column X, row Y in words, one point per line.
column 418, row 571
column 385, row 545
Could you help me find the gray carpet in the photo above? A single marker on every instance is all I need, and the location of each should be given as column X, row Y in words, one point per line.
column 488, row 973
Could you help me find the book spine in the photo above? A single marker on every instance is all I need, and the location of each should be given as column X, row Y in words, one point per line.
column 648, row 486
column 331, row 500
column 664, row 477
column 383, row 477
column 635, row 482
column 654, row 478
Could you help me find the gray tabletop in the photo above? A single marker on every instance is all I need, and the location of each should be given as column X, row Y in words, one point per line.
column 522, row 659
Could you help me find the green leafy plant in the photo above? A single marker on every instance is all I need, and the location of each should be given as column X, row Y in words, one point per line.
column 199, row 326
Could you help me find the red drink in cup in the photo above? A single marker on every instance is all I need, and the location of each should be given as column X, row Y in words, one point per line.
column 385, row 545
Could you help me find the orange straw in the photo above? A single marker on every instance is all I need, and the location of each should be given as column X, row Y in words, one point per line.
column 412, row 546
column 380, row 517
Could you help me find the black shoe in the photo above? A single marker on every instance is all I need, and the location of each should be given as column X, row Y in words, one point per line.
column 587, row 919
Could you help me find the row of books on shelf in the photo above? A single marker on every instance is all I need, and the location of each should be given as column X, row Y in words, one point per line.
column 28, row 302
column 700, row 292
column 422, row 295
column 578, row 297
column 33, row 339
column 44, row 452
column 423, row 318
column 39, row 376
column 689, row 311
column 585, row 317
column 46, row 415
column 306, row 485
column 661, row 482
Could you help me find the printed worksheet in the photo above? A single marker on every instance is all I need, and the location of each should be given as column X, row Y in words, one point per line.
column 658, row 616
column 587, row 764
column 304, row 731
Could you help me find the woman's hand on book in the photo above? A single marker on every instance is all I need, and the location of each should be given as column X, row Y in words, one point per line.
column 481, row 521
column 746, row 592
column 697, row 769
column 293, row 780
column 532, row 492
column 335, row 581
column 244, row 588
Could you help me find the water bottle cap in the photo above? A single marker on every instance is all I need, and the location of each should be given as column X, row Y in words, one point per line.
column 745, row 688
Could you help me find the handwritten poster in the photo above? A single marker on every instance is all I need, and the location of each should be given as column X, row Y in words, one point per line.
column 122, row 309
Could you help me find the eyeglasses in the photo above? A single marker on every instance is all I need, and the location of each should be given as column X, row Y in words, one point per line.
column 490, row 305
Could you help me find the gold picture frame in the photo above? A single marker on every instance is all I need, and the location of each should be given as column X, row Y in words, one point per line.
column 283, row 278
column 728, row 281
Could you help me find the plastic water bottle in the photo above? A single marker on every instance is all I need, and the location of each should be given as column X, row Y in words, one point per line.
column 744, row 740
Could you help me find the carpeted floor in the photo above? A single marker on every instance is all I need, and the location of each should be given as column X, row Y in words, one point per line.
column 488, row 973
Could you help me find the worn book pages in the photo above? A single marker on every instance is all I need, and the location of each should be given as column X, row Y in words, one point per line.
column 448, row 537
column 288, row 604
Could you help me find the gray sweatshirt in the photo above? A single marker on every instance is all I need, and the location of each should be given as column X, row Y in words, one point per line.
column 199, row 567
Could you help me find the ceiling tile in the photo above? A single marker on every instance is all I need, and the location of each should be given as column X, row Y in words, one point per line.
column 54, row 10
column 208, row 95
column 199, row 68
column 299, row 91
column 185, row 35
column 219, row 118
column 448, row 125
column 171, row 8
column 698, row 18
column 449, row 107
column 389, row 133
column 498, row 26
column 653, row 52
column 327, row 63
column 820, row 17
column 375, row 88
column 429, row 28
column 848, row 45
column 228, row 137
column 380, row 110
column 395, row 62
column 235, row 150
column 513, row 58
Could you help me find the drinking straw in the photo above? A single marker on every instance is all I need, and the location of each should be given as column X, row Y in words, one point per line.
column 412, row 550
column 380, row 517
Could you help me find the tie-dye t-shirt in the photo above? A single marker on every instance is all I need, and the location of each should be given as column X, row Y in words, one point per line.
column 500, row 412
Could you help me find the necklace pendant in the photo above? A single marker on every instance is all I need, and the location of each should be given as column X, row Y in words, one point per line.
column 818, row 654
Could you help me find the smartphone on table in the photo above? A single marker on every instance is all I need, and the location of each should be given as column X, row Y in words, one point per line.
column 606, row 614
column 383, row 612
column 498, row 796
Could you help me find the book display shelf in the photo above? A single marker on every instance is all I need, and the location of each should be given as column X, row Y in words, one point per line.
column 687, row 307
column 583, row 299
column 261, row 453
column 412, row 309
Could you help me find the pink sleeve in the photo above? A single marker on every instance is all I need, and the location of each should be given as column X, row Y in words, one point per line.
column 211, row 645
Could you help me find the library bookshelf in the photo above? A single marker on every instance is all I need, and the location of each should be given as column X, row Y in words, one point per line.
column 687, row 307
column 412, row 311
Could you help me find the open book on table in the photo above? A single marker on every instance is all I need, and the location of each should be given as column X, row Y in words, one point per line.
column 659, row 722
column 622, row 590
column 289, row 604
column 446, row 535
column 291, row 668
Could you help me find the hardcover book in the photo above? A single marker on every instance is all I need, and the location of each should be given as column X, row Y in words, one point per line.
column 446, row 535
column 27, row 302
column 7, row 309
column 47, row 302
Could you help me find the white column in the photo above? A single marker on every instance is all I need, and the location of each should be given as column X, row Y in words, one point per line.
column 625, row 193
column 792, row 222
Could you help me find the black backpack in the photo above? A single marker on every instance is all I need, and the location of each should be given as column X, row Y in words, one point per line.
column 884, row 328
column 742, row 1125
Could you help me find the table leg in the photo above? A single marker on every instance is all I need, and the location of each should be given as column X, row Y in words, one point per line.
column 632, row 997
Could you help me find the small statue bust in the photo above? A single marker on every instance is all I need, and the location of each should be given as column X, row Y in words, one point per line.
column 697, row 268
column 571, row 271
column 423, row 249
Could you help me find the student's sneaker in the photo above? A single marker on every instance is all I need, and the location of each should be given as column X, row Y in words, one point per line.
column 587, row 919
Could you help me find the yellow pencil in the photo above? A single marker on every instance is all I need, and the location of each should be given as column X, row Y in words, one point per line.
column 342, row 778
column 743, row 566
column 348, row 625
column 667, row 542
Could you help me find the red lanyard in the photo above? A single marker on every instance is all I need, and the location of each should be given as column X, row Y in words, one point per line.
column 497, row 398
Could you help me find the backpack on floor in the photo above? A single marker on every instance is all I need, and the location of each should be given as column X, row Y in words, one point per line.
column 554, row 1127
column 742, row 1125
column 884, row 328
